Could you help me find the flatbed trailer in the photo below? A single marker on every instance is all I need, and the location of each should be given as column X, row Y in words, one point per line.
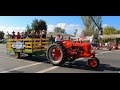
column 30, row 46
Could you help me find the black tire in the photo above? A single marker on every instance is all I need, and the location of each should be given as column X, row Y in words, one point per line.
column 17, row 55
column 62, row 58
column 97, row 63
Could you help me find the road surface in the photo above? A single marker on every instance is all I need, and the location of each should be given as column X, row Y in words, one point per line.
column 110, row 63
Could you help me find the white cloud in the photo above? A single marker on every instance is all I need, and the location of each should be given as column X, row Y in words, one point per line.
column 70, row 28
column 11, row 29
column 62, row 25
column 104, row 25
column 51, row 28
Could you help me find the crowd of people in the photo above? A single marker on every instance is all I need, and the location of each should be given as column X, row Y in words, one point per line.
column 32, row 34
column 106, row 46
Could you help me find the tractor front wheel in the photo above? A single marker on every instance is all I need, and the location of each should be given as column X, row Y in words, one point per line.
column 56, row 54
column 93, row 63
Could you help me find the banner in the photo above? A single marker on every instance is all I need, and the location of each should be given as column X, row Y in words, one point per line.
column 18, row 45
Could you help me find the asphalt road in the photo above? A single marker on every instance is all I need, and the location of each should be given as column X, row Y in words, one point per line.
column 110, row 63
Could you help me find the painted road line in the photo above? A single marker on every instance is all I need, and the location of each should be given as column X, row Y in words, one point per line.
column 55, row 67
column 42, row 71
column 20, row 67
column 103, row 52
column 48, row 69
column 95, row 54
column 21, row 60
column 107, row 52
column 52, row 68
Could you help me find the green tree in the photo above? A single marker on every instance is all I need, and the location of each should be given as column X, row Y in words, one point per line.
column 35, row 25
column 75, row 32
column 118, row 31
column 28, row 29
column 42, row 25
column 59, row 30
column 39, row 25
column 109, row 30
column 90, row 24
column 2, row 35
column 88, row 32
column 87, row 22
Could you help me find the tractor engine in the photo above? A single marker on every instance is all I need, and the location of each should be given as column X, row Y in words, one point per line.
column 77, row 49
column 69, row 48
column 73, row 51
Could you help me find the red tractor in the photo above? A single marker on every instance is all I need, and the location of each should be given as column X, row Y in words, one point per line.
column 66, row 50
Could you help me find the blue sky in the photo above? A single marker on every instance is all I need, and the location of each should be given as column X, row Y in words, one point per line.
column 52, row 21
column 24, row 20
column 112, row 21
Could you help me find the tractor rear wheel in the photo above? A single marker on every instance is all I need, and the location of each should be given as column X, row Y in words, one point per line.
column 93, row 63
column 56, row 54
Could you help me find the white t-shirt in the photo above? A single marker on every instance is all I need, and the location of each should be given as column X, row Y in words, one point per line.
column 57, row 39
column 106, row 44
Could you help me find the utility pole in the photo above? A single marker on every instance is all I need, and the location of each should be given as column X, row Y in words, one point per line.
column 97, row 24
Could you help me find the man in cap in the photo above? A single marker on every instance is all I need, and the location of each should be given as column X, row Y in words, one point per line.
column 43, row 34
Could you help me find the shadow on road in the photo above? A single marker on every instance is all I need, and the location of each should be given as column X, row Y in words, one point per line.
column 83, row 65
column 77, row 64
column 36, row 58
column 103, row 67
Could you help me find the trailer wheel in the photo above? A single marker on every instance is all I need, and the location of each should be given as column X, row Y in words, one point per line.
column 17, row 55
column 56, row 54
column 93, row 63
column 30, row 55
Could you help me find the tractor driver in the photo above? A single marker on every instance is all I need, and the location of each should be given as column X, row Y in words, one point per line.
column 57, row 38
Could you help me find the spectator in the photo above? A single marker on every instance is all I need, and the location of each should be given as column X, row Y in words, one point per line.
column 37, row 35
column 43, row 34
column 18, row 35
column 32, row 34
column 13, row 35
column 106, row 45
column 22, row 35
